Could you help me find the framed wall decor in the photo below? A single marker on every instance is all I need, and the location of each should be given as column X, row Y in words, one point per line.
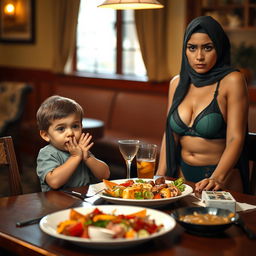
column 17, row 21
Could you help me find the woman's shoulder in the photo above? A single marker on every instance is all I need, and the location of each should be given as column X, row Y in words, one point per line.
column 234, row 77
column 234, row 83
column 174, row 82
column 175, row 79
column 172, row 88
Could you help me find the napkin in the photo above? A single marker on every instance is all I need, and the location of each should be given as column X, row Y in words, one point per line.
column 239, row 206
column 244, row 207
column 94, row 188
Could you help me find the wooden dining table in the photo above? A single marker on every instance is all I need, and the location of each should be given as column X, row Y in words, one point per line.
column 30, row 240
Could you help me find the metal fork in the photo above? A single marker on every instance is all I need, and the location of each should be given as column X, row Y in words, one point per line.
column 81, row 195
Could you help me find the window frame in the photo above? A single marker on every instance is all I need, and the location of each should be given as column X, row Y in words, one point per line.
column 119, row 40
column 119, row 57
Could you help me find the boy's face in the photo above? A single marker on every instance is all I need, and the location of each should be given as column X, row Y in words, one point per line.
column 62, row 130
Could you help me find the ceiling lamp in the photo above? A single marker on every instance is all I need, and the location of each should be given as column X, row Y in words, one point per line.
column 131, row 4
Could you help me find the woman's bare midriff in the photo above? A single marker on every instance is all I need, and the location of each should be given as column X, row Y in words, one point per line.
column 198, row 151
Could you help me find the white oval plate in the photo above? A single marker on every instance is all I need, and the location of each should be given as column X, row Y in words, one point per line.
column 48, row 224
column 140, row 202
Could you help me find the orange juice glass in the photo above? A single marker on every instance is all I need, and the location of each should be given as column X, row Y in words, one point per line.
column 146, row 160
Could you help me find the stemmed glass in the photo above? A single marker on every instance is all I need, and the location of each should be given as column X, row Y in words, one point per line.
column 128, row 149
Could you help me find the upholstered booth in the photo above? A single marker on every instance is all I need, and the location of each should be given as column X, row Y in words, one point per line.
column 12, row 101
column 13, row 98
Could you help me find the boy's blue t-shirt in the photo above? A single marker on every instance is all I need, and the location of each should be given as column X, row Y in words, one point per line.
column 50, row 158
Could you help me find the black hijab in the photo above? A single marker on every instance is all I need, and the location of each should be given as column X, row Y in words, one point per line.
column 220, row 69
column 187, row 76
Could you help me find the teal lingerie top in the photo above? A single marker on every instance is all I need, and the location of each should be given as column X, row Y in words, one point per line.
column 209, row 124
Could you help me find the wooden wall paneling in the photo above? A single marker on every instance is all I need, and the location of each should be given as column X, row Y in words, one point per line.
column 118, row 84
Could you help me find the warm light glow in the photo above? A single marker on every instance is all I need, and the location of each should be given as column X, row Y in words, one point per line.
column 9, row 9
column 131, row 4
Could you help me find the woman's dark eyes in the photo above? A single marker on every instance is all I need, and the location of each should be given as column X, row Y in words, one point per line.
column 207, row 48
column 191, row 47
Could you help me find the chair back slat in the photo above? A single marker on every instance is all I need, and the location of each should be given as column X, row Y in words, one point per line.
column 8, row 158
column 3, row 159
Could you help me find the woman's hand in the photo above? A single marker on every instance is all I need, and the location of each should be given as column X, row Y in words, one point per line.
column 85, row 145
column 208, row 184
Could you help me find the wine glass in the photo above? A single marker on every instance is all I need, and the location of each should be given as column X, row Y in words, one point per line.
column 128, row 149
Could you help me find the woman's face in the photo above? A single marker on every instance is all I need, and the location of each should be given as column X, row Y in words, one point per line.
column 201, row 53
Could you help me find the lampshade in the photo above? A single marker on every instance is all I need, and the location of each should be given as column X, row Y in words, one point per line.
column 131, row 4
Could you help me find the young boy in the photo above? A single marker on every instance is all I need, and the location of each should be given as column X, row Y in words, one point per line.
column 66, row 161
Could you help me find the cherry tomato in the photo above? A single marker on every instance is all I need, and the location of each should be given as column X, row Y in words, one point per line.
column 75, row 229
column 127, row 183
column 157, row 196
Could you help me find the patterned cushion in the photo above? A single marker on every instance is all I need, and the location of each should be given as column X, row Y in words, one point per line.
column 12, row 100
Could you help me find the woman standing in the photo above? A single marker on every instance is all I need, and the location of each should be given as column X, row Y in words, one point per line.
column 208, row 112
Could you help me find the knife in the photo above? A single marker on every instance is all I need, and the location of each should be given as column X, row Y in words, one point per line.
column 37, row 220
column 28, row 222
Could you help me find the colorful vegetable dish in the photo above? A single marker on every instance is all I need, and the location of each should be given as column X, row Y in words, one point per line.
column 142, row 189
column 130, row 226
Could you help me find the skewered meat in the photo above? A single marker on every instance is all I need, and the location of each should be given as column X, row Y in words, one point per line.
column 160, row 180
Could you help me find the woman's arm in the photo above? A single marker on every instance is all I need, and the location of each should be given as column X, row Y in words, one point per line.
column 161, row 170
column 237, row 115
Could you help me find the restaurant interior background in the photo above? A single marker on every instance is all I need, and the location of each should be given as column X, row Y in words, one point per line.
column 32, row 63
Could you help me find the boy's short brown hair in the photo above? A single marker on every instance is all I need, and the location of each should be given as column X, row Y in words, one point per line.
column 56, row 107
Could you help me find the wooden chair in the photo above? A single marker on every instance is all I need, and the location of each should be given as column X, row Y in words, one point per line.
column 252, row 158
column 8, row 159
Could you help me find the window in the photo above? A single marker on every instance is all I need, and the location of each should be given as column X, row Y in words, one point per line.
column 107, row 42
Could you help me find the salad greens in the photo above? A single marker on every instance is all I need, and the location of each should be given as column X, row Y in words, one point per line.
column 140, row 181
column 179, row 183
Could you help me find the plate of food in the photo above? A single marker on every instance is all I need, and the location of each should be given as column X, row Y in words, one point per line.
column 107, row 226
column 142, row 192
